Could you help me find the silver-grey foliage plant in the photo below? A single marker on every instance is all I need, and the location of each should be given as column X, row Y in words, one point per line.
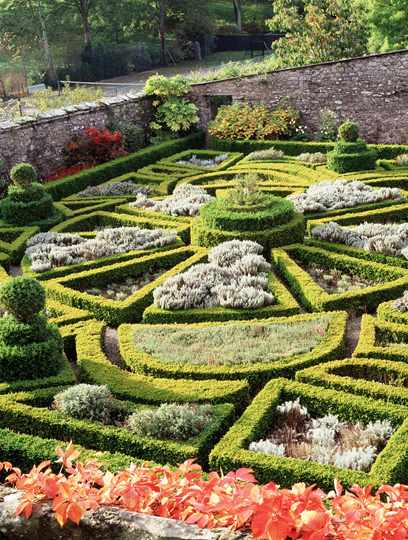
column 234, row 277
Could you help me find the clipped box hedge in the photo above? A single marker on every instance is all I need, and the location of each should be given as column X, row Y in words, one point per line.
column 285, row 305
column 257, row 373
column 25, row 451
column 233, row 157
column 387, row 312
column 13, row 241
column 391, row 465
column 294, row 148
column 374, row 332
column 395, row 213
column 363, row 377
column 72, row 208
column 358, row 253
column 29, row 412
column 60, row 271
column 313, row 297
column 96, row 368
column 64, row 289
column 101, row 173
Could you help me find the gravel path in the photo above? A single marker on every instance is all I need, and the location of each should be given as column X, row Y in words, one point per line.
column 111, row 347
column 352, row 333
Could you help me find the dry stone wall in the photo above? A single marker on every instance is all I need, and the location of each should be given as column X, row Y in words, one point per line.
column 373, row 90
column 40, row 141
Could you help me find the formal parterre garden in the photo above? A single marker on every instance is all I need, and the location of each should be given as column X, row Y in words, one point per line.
column 243, row 304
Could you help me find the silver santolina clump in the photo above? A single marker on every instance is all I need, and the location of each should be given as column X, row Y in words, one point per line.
column 186, row 200
column 235, row 277
column 327, row 439
column 204, row 163
column 116, row 189
column 402, row 303
column 270, row 154
column 390, row 239
column 333, row 195
column 49, row 250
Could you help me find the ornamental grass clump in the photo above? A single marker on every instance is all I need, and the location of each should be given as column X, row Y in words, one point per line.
column 171, row 421
column 186, row 200
column 234, row 277
column 30, row 347
column 51, row 250
column 27, row 201
column 334, row 195
column 388, row 238
column 402, row 160
column 327, row 439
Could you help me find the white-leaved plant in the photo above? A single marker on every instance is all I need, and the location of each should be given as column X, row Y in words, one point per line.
column 186, row 200
column 336, row 194
column 234, row 277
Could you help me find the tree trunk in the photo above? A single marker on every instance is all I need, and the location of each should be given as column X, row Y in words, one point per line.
column 84, row 7
column 238, row 13
column 51, row 72
column 162, row 32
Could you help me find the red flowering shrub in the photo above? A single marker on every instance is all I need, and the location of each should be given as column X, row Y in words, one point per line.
column 66, row 171
column 233, row 500
column 94, row 146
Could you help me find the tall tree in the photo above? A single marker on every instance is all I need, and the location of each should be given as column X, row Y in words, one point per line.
column 388, row 23
column 238, row 13
column 326, row 30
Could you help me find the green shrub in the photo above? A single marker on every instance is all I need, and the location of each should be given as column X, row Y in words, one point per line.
column 27, row 201
column 30, row 347
column 178, row 422
column 23, row 297
column 348, row 131
column 91, row 402
column 242, row 121
column 23, row 175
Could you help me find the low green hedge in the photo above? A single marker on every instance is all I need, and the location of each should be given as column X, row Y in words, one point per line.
column 99, row 174
column 60, row 271
column 375, row 334
column 232, row 452
column 4, row 260
column 72, row 208
column 29, row 412
column 257, row 373
column 313, row 297
column 96, row 368
column 233, row 157
column 395, row 213
column 294, row 148
column 25, row 451
column 115, row 312
column 384, row 380
column 13, row 241
column 280, row 235
column 285, row 305
column 387, row 312
column 88, row 222
column 358, row 253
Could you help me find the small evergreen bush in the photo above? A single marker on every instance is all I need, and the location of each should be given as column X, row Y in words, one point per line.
column 171, row 421
column 350, row 153
column 348, row 131
column 23, row 174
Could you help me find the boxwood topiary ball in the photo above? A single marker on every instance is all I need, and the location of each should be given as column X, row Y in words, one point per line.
column 348, row 131
column 23, row 174
column 23, row 297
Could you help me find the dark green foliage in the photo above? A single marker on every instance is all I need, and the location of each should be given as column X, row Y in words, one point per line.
column 344, row 163
column 23, row 297
column 25, row 205
column 348, row 131
column 30, row 347
column 23, row 174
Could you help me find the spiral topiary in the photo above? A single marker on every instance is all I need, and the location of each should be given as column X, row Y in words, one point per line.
column 27, row 201
column 30, row 347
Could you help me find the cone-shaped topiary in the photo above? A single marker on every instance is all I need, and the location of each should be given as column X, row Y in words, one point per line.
column 30, row 347
column 27, row 201
column 350, row 153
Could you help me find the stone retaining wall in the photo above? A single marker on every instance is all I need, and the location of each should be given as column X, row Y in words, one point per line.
column 373, row 90
column 40, row 141
column 106, row 523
